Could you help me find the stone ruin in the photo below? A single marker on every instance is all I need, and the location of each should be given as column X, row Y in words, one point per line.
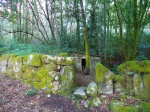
column 80, row 61
column 56, row 75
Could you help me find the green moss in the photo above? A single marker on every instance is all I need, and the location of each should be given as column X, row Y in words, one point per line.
column 46, row 59
column 92, row 89
column 129, row 79
column 32, row 60
column 145, row 66
column 67, row 80
column 134, row 66
column 63, row 55
column 100, row 72
column 4, row 57
column 43, row 74
column 49, row 67
column 137, row 87
column 145, row 106
column 117, row 106
column 65, row 61
column 95, row 102
column 146, row 80
column 29, row 73
column 129, row 66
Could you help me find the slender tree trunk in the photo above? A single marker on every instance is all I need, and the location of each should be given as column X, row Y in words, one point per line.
column 85, row 38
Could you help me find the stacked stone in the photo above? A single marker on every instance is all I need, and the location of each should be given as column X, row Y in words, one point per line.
column 55, row 74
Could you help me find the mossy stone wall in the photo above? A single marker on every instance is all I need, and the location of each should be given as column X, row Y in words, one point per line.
column 136, row 78
column 55, row 74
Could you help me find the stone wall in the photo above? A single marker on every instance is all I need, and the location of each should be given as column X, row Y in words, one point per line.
column 54, row 74
column 135, row 79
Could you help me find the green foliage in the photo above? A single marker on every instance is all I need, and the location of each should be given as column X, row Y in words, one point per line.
column 32, row 92
column 145, row 106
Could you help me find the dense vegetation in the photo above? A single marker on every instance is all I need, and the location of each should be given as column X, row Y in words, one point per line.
column 115, row 30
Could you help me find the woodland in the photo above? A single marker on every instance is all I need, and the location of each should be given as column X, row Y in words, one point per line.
column 115, row 30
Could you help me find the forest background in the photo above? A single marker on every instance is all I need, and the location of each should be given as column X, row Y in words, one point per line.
column 115, row 30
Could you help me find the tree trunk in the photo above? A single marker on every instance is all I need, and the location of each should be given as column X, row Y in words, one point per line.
column 85, row 38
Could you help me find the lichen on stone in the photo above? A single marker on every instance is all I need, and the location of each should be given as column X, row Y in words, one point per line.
column 92, row 89
column 32, row 60
column 67, row 80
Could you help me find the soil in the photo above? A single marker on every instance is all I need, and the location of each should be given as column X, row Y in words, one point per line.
column 14, row 98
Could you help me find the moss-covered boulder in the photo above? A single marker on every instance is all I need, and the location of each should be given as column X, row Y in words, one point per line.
column 92, row 89
column 47, row 59
column 32, row 60
column 134, row 67
column 117, row 106
column 67, row 80
column 3, row 63
column 136, row 77
column 130, row 66
column 95, row 102
column 104, row 78
column 80, row 93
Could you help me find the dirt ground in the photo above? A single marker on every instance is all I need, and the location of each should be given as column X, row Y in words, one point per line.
column 14, row 98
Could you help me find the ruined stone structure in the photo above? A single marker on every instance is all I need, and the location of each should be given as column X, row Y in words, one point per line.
column 54, row 74
column 80, row 61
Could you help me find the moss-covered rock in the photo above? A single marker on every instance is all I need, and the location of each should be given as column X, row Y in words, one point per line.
column 49, row 67
column 3, row 63
column 32, row 60
column 146, row 82
column 117, row 106
column 67, row 80
column 92, row 89
column 63, row 55
column 47, row 59
column 104, row 78
column 29, row 73
column 132, row 66
column 67, row 61
column 42, row 74
column 96, row 102
column 101, row 71
column 87, row 103
column 80, row 93
column 145, row 66
column 11, row 60
column 138, row 86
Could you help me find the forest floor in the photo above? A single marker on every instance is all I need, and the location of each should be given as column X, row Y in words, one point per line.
column 14, row 98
